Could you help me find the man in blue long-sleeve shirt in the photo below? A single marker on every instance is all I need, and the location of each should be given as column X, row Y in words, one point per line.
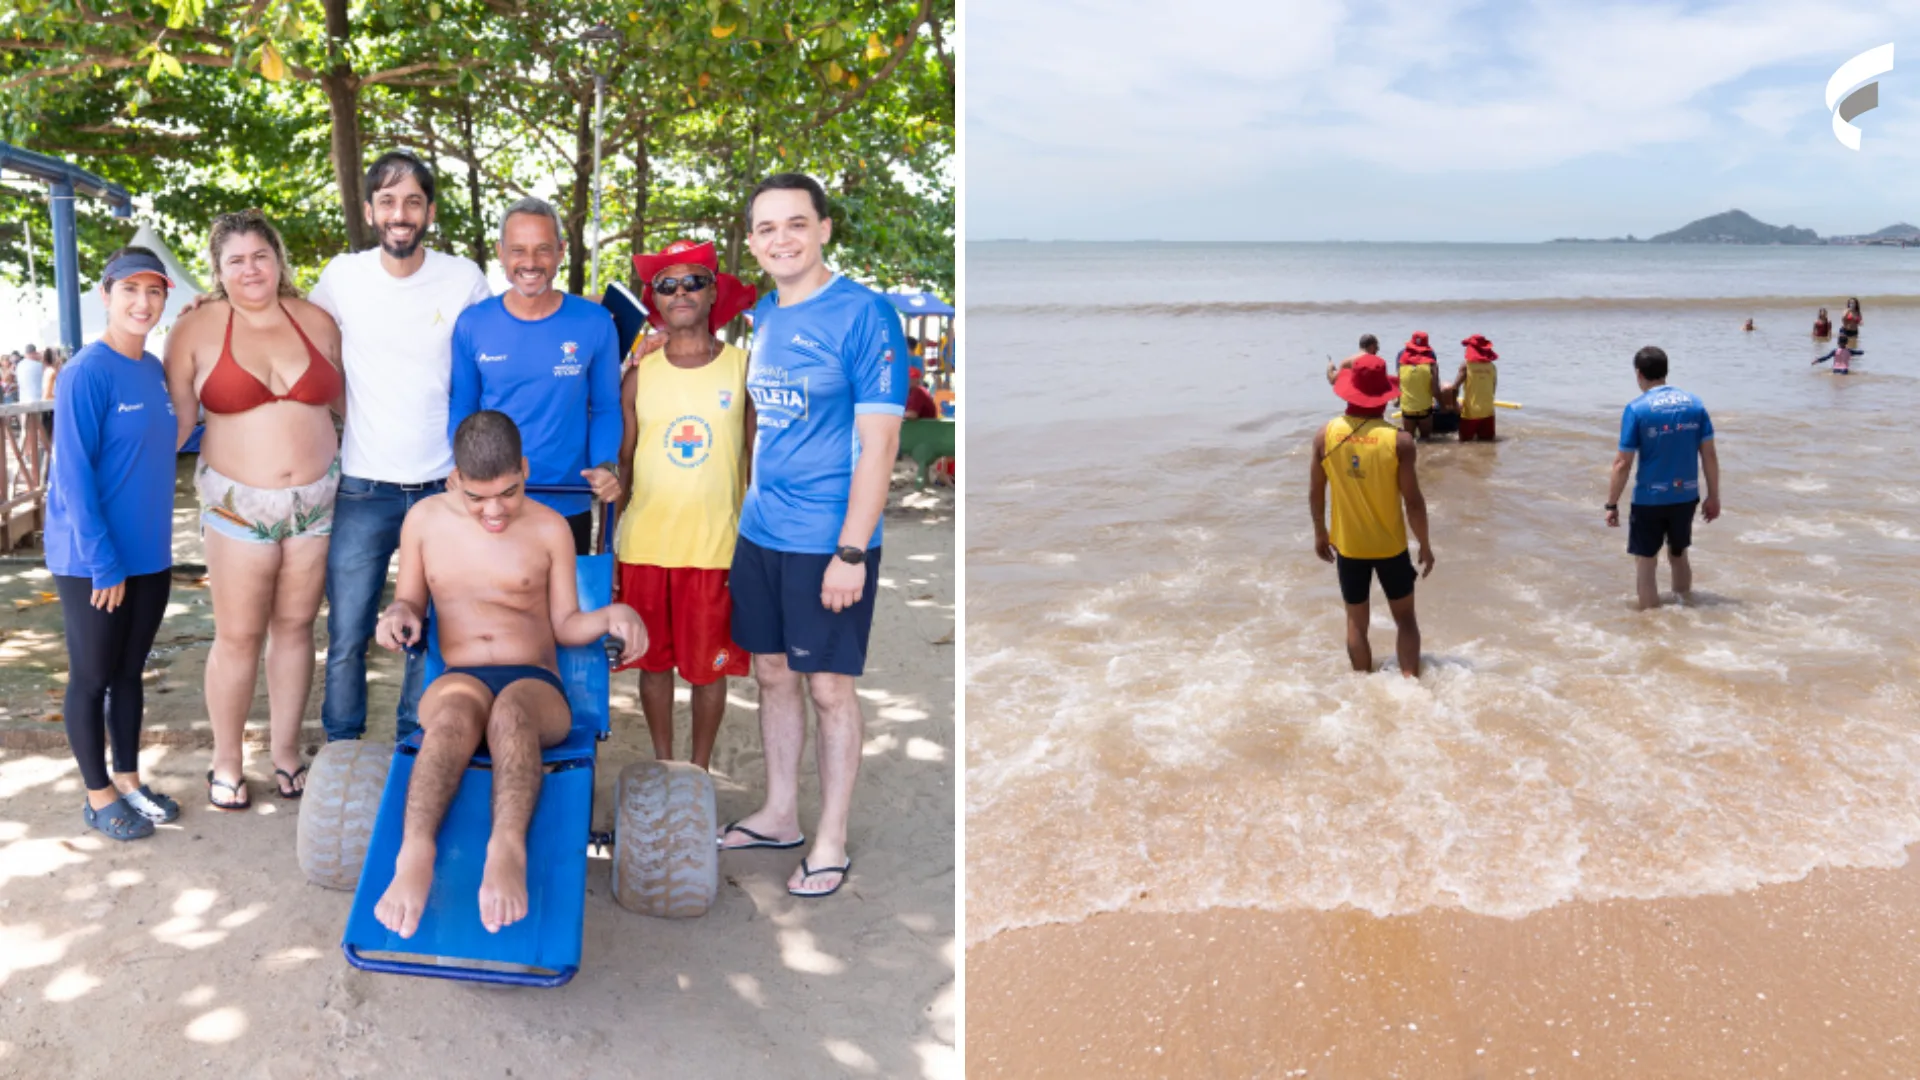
column 548, row 360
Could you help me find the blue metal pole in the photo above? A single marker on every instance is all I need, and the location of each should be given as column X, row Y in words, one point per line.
column 66, row 263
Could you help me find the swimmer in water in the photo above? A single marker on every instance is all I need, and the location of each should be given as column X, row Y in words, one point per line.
column 1749, row 326
column 1842, row 355
column 1822, row 326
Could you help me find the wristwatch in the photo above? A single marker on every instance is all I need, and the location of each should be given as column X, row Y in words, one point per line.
column 852, row 556
column 611, row 466
column 1613, row 506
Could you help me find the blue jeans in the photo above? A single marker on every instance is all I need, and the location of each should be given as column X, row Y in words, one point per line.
column 366, row 532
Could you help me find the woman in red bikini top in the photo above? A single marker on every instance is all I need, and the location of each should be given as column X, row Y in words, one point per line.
column 264, row 364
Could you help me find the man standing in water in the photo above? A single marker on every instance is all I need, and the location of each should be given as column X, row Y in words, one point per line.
column 1370, row 467
column 1671, row 432
column 1369, row 346
column 1478, row 382
column 1417, row 365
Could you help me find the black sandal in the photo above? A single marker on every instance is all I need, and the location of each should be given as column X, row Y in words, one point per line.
column 239, row 798
column 290, row 792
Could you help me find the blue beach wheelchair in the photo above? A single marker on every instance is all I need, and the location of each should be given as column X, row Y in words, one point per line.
column 664, row 859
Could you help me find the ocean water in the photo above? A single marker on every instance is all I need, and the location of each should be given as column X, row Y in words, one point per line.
column 1160, row 715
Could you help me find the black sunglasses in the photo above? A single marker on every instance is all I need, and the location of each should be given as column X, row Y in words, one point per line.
column 693, row 283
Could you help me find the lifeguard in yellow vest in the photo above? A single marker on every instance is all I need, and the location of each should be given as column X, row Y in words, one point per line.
column 685, row 437
column 1417, row 370
column 1478, row 378
column 1369, row 467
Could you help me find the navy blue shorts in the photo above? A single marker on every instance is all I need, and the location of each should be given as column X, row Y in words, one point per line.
column 500, row 676
column 777, row 609
column 1651, row 526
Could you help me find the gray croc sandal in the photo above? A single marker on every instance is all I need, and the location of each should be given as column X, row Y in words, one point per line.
column 118, row 822
column 152, row 805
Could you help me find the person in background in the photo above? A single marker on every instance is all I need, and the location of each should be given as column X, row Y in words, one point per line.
column 109, row 540
column 1477, row 383
column 262, row 361
column 1369, row 346
column 1417, row 384
column 31, row 376
column 1749, row 326
column 1822, row 326
column 1841, row 354
column 920, row 403
column 1850, row 318
column 1670, row 432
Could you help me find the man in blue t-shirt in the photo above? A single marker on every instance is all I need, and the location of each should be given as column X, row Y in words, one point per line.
column 1670, row 431
column 828, row 378
column 548, row 360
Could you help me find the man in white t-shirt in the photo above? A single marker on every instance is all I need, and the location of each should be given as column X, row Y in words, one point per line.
column 31, row 376
column 396, row 305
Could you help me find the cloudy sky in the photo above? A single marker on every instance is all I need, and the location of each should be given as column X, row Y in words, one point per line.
column 1427, row 119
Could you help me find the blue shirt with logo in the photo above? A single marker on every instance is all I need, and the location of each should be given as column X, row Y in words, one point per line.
column 1665, row 427
column 110, row 503
column 558, row 378
column 815, row 366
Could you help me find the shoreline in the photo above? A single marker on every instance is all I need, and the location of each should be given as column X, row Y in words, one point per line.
column 1815, row 974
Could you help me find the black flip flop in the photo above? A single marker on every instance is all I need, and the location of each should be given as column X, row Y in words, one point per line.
column 289, row 792
column 240, row 799
column 759, row 841
column 806, row 872
column 118, row 821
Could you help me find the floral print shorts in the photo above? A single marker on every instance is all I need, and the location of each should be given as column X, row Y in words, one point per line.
column 266, row 515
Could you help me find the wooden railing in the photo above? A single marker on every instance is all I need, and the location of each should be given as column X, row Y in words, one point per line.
column 23, row 472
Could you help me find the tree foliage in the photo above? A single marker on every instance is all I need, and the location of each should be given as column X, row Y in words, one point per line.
column 204, row 106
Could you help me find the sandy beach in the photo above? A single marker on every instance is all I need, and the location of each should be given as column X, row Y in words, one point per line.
column 204, row 951
column 1811, row 978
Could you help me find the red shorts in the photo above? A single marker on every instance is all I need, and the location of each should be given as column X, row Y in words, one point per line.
column 1481, row 429
column 689, row 618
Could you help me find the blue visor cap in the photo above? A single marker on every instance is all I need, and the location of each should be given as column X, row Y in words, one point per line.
column 127, row 264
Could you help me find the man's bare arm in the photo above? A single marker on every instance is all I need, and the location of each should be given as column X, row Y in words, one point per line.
column 1416, row 501
column 573, row 627
column 1317, row 496
column 401, row 624
column 867, row 496
column 1710, row 468
column 1622, row 473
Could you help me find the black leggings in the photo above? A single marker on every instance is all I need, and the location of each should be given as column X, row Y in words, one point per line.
column 106, row 652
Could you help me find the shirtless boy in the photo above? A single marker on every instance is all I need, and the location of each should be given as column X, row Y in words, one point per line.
column 500, row 571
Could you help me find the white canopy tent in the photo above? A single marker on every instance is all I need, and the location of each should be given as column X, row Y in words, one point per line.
column 93, row 313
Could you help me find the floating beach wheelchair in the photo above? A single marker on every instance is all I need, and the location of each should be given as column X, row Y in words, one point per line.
column 665, row 862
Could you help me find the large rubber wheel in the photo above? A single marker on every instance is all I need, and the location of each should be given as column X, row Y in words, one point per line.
column 344, row 784
column 665, row 863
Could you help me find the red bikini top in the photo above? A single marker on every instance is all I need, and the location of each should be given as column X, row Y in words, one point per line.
column 233, row 389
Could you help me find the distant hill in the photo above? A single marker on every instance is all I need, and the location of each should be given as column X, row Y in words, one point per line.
column 1736, row 227
column 1902, row 231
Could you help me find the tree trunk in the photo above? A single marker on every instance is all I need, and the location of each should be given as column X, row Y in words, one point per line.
column 473, row 183
column 343, row 107
column 582, row 199
column 643, row 183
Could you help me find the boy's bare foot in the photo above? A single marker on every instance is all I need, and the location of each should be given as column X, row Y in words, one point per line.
column 503, row 886
column 406, row 899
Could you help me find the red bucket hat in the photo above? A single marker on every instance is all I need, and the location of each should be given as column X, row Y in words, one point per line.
column 1367, row 383
column 1417, row 350
column 1480, row 350
column 731, row 295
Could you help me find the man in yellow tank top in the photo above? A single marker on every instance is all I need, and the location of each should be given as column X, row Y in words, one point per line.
column 1369, row 468
column 1417, row 380
column 1477, row 382
column 687, row 415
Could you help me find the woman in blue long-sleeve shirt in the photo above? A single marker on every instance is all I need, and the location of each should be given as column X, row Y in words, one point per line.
column 109, row 538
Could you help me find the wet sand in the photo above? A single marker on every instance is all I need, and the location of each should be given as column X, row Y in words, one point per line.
column 1818, row 977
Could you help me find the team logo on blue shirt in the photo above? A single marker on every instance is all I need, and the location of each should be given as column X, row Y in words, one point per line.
column 569, row 363
column 777, row 399
column 689, row 440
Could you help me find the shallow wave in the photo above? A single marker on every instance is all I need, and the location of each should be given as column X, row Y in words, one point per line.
column 1217, row 308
